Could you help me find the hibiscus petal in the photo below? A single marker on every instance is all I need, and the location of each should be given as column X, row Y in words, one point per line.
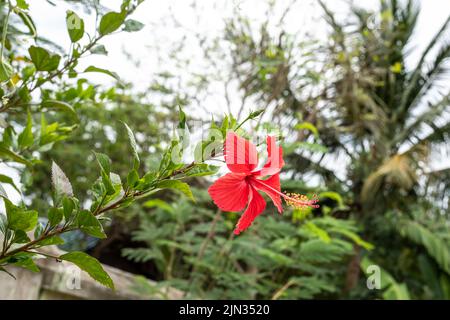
column 275, row 158
column 230, row 192
column 269, row 186
column 256, row 205
column 240, row 154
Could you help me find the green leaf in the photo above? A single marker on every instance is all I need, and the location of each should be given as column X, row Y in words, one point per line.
column 20, row 237
column 43, row 60
column 18, row 218
column 3, row 219
column 104, row 161
column 133, row 25
column 8, row 180
column 6, row 70
column 22, row 4
column 75, row 26
column 133, row 145
column 435, row 245
column 110, row 22
column 354, row 237
column 13, row 156
column 60, row 182
column 182, row 121
column 55, row 240
column 100, row 70
column 68, row 206
column 26, row 136
column 55, row 216
column 202, row 169
column 308, row 126
column 88, row 223
column 159, row 204
column 333, row 196
column 317, row 231
column 255, row 114
column 99, row 49
column 28, row 22
column 132, row 178
column 24, row 260
column 177, row 185
column 61, row 106
column 90, row 265
column 106, row 179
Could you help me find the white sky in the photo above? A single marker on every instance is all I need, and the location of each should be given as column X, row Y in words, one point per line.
column 160, row 32
column 305, row 17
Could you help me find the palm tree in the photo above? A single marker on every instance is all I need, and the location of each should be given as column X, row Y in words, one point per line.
column 382, row 119
column 392, row 119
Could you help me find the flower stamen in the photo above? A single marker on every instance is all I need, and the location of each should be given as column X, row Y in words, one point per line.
column 300, row 201
column 295, row 200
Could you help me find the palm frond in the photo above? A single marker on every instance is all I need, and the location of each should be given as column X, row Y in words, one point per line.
column 434, row 112
column 436, row 247
column 416, row 76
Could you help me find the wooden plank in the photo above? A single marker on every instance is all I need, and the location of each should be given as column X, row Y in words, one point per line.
column 26, row 286
column 63, row 280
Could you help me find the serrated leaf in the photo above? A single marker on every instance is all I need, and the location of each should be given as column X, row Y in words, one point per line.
column 202, row 169
column 132, row 178
column 106, row 179
column 68, row 207
column 87, row 222
column 18, row 218
column 104, row 161
column 133, row 145
column 60, row 182
column 177, row 185
column 24, row 260
column 55, row 216
column 55, row 240
column 20, row 237
column 91, row 265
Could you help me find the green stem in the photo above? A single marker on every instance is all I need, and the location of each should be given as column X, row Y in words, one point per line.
column 5, row 31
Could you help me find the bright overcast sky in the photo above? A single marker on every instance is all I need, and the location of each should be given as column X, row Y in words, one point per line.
column 305, row 17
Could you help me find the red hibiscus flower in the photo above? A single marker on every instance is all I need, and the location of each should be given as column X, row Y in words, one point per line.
column 239, row 188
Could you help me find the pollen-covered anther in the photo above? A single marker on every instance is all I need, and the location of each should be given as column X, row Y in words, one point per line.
column 299, row 201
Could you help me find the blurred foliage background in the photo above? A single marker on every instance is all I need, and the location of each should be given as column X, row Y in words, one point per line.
column 359, row 129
